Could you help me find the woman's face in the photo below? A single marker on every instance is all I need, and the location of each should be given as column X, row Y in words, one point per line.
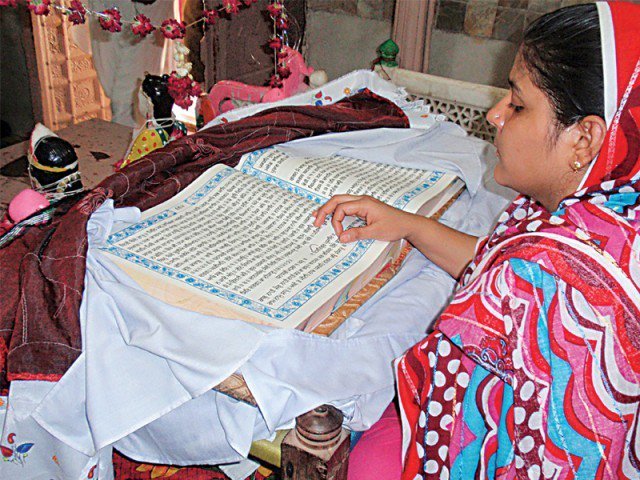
column 534, row 157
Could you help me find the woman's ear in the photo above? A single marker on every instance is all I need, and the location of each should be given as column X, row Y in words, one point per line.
column 589, row 136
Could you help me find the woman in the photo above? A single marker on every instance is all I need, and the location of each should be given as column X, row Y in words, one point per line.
column 533, row 370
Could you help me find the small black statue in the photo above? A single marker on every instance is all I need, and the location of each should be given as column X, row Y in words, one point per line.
column 155, row 88
column 53, row 164
column 160, row 126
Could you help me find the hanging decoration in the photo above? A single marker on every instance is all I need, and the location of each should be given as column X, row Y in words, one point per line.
column 288, row 78
column 181, row 86
column 110, row 18
column 280, row 38
column 142, row 25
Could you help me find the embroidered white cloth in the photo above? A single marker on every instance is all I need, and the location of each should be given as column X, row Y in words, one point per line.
column 418, row 113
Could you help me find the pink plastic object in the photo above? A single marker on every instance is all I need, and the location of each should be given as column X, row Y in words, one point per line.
column 224, row 91
column 25, row 204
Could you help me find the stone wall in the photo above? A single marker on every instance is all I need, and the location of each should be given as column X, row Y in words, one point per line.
column 343, row 35
column 476, row 40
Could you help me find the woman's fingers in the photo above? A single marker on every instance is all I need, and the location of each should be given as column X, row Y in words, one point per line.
column 358, row 208
column 357, row 233
column 328, row 208
column 341, row 206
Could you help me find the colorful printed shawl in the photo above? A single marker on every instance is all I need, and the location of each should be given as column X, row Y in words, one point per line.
column 533, row 370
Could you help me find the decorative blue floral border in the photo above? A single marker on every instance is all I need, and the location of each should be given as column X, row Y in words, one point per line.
column 210, row 185
column 298, row 299
column 285, row 311
column 248, row 167
column 193, row 199
column 282, row 313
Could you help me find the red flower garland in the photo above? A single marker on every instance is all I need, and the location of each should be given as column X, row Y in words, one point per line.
column 210, row 16
column 275, row 81
column 275, row 43
column 182, row 89
column 172, row 28
column 39, row 7
column 230, row 6
column 110, row 20
column 275, row 9
column 280, row 21
column 77, row 12
column 284, row 72
column 142, row 25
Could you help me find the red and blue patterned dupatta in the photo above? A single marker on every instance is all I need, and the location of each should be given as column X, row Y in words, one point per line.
column 533, row 370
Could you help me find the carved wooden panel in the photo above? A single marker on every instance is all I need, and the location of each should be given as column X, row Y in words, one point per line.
column 69, row 85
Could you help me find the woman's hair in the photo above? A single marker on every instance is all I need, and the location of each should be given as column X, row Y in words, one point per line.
column 562, row 51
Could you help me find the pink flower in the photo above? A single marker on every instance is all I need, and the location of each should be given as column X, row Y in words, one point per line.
column 39, row 7
column 275, row 43
column 8, row 3
column 282, row 54
column 172, row 28
column 77, row 12
column 230, row 6
column 182, row 89
column 110, row 20
column 210, row 16
column 249, row 2
column 142, row 25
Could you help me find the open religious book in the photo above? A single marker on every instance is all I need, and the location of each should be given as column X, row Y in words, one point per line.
column 240, row 243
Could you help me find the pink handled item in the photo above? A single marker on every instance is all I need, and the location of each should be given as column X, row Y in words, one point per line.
column 25, row 204
column 223, row 92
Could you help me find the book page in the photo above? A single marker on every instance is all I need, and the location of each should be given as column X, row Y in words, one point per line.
column 247, row 244
column 319, row 178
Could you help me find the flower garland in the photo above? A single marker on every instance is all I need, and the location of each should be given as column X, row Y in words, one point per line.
column 182, row 85
column 111, row 20
column 278, row 14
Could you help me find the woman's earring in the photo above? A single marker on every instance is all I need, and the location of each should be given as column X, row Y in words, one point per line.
column 576, row 166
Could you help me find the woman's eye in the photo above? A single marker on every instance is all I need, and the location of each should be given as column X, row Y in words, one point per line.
column 516, row 108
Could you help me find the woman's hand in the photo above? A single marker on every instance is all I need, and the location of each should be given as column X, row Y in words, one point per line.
column 448, row 248
column 383, row 222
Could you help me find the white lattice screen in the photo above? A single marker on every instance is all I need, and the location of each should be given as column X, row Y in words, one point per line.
column 463, row 103
column 469, row 117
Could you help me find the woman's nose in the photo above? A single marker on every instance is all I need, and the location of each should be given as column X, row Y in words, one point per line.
column 498, row 113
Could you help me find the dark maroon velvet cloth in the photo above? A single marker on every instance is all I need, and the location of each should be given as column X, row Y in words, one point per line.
column 42, row 272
